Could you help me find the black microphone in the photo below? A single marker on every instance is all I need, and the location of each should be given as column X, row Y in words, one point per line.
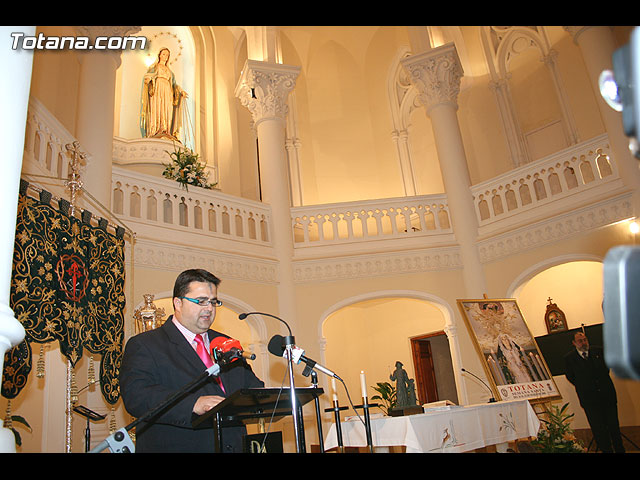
column 492, row 399
column 235, row 353
column 276, row 347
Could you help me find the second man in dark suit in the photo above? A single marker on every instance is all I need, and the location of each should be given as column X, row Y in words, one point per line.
column 586, row 370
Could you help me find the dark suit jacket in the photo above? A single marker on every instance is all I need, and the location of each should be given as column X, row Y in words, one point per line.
column 157, row 364
column 590, row 377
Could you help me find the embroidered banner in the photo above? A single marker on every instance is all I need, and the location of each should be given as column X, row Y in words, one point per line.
column 67, row 286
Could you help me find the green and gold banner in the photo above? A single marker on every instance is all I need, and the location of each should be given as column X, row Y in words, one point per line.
column 67, row 286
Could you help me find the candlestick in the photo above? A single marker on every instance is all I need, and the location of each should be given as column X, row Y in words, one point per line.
column 363, row 384
column 335, row 390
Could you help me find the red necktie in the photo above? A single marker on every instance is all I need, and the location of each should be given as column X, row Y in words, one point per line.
column 206, row 358
column 202, row 352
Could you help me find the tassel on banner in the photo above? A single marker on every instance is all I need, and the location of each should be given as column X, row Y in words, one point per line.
column 73, row 392
column 113, row 426
column 8, row 422
column 91, row 373
column 40, row 364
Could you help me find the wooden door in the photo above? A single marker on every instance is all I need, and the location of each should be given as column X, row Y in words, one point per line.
column 426, row 387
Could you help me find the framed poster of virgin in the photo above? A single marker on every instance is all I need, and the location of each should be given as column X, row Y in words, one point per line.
column 510, row 356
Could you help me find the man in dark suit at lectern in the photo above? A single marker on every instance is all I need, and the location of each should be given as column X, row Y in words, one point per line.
column 159, row 363
column 586, row 370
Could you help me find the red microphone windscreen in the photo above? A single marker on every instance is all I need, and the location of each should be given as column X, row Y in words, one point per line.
column 221, row 345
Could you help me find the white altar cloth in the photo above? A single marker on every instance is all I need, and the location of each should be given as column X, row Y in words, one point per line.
column 449, row 429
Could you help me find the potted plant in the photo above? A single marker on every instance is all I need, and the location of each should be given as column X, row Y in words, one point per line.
column 387, row 395
column 186, row 169
column 556, row 436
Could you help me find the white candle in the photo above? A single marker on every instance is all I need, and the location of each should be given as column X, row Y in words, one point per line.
column 335, row 390
column 363, row 384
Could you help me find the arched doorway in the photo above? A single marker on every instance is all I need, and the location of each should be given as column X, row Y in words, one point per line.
column 575, row 284
column 371, row 333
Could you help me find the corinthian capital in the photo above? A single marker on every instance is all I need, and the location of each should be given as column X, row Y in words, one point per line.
column 436, row 74
column 264, row 87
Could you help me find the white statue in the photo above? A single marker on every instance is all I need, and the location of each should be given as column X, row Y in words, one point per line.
column 162, row 103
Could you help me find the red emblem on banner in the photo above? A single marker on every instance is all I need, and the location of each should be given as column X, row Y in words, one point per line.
column 73, row 276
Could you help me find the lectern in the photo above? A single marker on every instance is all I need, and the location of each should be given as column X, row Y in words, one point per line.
column 249, row 405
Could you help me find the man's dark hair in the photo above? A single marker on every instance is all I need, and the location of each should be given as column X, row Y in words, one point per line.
column 181, row 286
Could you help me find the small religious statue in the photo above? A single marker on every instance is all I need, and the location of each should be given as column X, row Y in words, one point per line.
column 405, row 393
column 163, row 101
column 148, row 316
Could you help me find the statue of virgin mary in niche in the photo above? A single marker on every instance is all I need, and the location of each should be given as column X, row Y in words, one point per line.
column 162, row 102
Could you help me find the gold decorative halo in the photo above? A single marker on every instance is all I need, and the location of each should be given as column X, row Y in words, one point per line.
column 169, row 38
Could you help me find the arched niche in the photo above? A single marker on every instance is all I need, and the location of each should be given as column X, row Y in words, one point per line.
column 529, row 91
column 371, row 332
column 574, row 283
column 183, row 62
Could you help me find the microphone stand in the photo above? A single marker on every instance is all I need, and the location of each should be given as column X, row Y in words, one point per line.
column 289, row 343
column 89, row 415
column 120, row 441
column 492, row 399
column 314, row 382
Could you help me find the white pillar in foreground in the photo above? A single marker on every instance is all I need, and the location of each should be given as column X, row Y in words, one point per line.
column 14, row 98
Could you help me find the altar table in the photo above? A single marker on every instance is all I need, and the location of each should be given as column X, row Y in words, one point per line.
column 448, row 429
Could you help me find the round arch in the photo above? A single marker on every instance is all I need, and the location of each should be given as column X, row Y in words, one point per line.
column 440, row 304
column 520, row 281
column 572, row 282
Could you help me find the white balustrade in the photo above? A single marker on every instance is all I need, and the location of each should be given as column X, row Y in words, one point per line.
column 44, row 144
column 542, row 188
column 155, row 201
column 371, row 220
column 546, row 182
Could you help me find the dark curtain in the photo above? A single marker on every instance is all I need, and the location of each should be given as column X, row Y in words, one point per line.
column 67, row 286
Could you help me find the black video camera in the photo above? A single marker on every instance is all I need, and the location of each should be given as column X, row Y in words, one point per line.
column 621, row 303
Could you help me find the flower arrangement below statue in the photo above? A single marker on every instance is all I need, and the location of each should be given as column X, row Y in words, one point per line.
column 187, row 170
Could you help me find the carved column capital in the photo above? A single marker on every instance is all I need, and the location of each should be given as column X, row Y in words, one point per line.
column 264, row 87
column 436, row 74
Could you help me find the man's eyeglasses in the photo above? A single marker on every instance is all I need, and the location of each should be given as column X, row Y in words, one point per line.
column 205, row 302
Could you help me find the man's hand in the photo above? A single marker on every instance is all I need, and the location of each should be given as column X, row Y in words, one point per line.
column 206, row 403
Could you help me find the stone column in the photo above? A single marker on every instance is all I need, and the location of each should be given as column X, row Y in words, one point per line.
column 14, row 98
column 95, row 113
column 263, row 89
column 597, row 46
column 451, row 330
column 436, row 74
